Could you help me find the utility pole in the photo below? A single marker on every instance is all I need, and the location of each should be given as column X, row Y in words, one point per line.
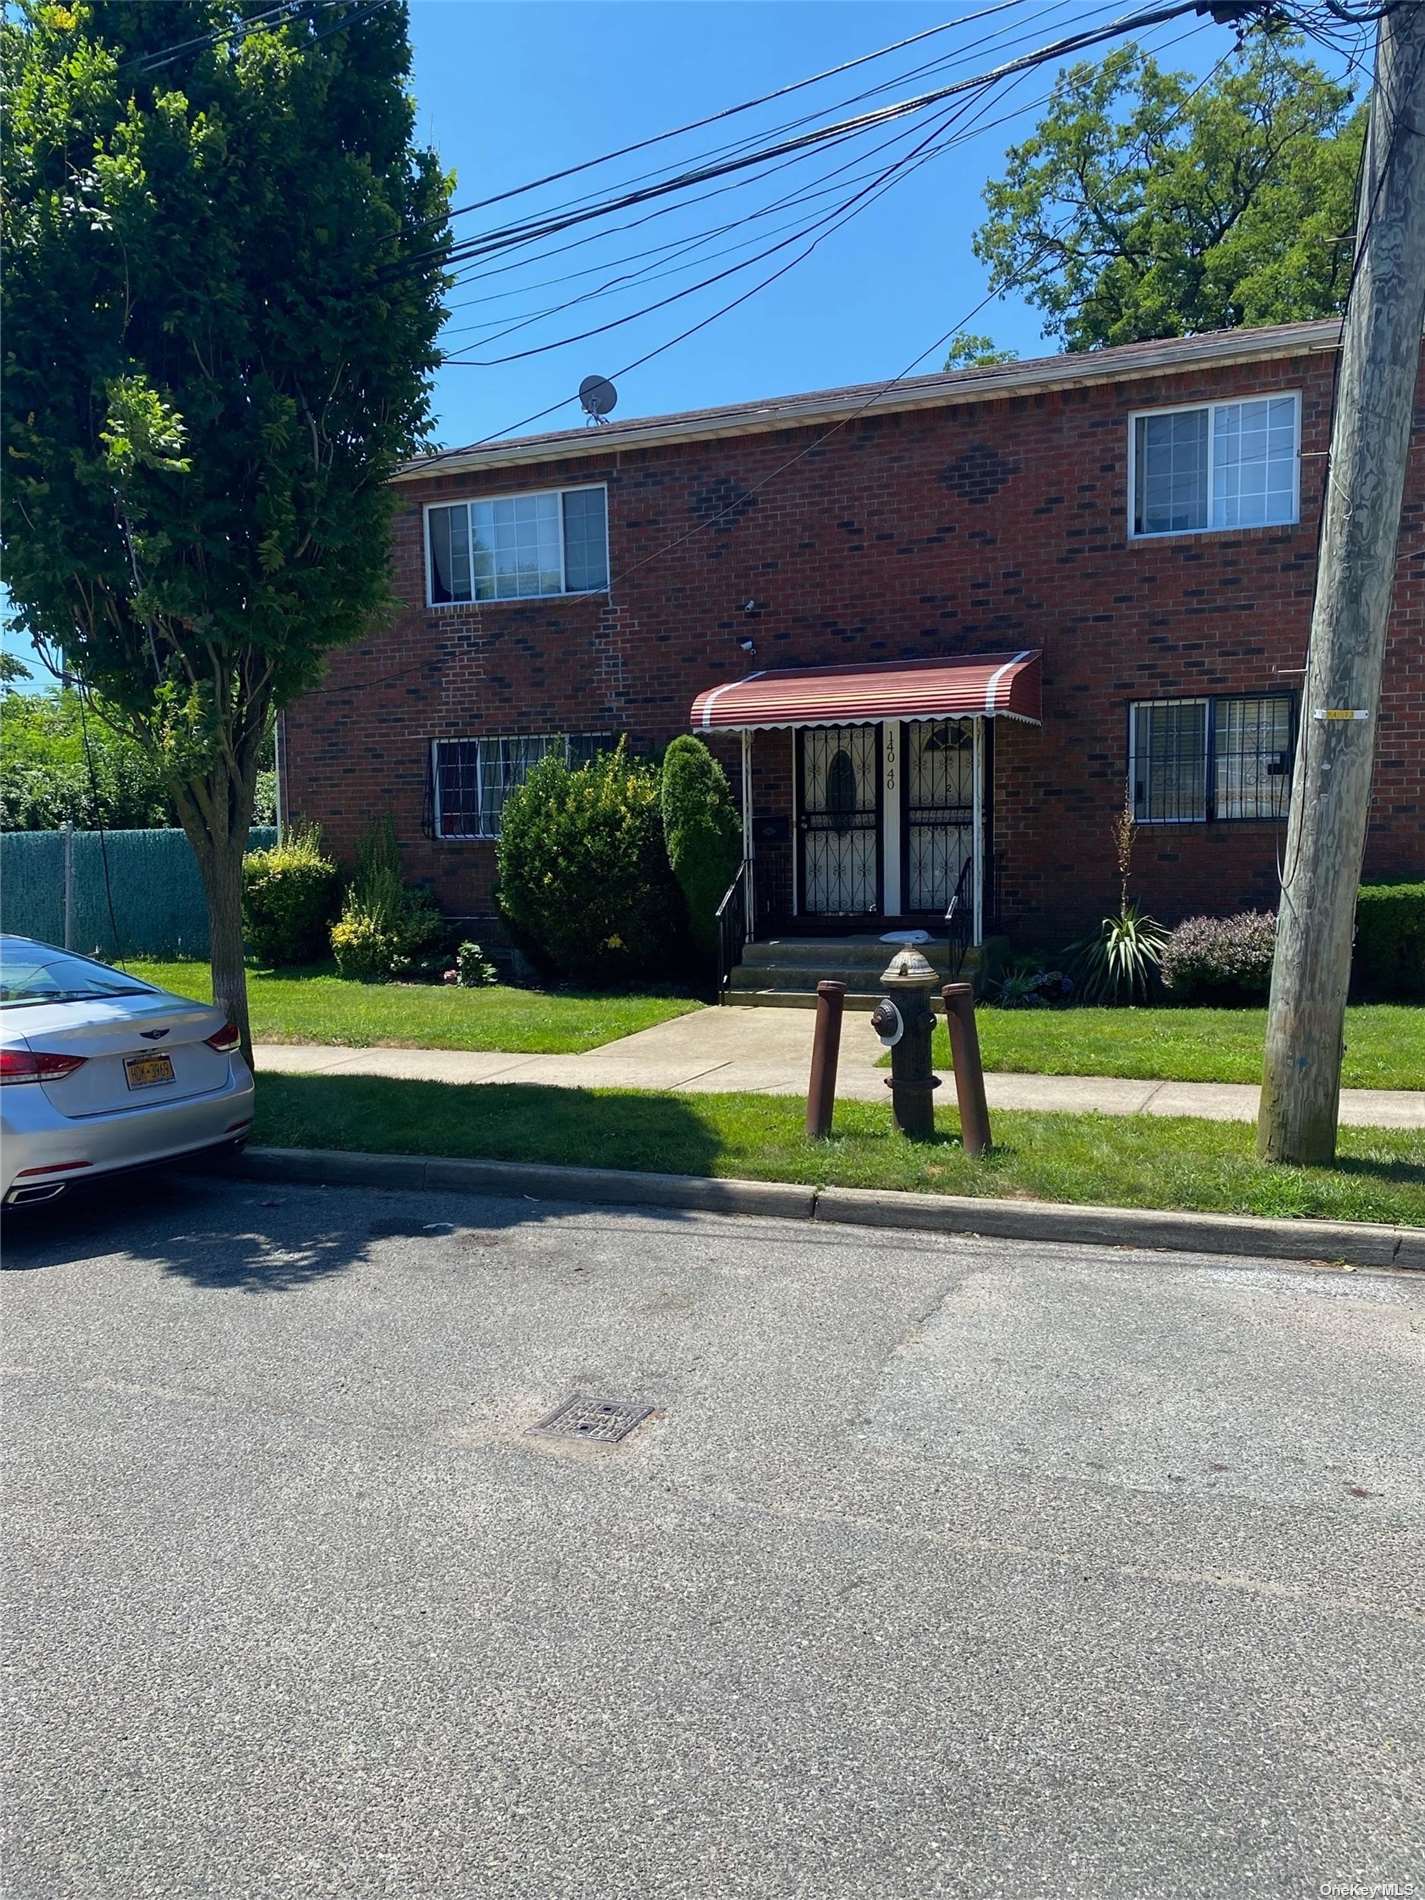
column 1370, row 444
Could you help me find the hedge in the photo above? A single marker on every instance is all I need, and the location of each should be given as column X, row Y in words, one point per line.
column 1390, row 940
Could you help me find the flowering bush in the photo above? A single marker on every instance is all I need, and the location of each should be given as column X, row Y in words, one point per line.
column 1220, row 959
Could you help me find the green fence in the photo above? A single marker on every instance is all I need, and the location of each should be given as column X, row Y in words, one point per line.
column 158, row 908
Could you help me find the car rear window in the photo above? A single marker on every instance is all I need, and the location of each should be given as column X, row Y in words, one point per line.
column 39, row 976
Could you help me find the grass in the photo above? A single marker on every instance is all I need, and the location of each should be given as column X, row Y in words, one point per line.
column 1385, row 1044
column 1125, row 1161
column 316, row 1005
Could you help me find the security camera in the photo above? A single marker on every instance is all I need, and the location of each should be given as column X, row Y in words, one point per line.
column 748, row 646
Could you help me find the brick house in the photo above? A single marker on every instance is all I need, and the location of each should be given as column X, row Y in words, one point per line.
column 938, row 634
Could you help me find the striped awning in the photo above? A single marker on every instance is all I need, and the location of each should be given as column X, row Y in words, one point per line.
column 992, row 685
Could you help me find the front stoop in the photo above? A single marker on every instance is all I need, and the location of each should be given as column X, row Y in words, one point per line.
column 783, row 972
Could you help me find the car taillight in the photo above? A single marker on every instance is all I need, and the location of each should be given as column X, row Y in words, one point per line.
column 36, row 1065
column 226, row 1040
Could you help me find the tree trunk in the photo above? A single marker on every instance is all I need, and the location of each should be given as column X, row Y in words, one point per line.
column 222, row 882
column 219, row 850
column 1370, row 441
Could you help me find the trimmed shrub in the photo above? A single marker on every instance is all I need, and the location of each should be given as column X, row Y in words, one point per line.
column 473, row 969
column 385, row 929
column 289, row 894
column 702, row 832
column 1389, row 956
column 584, row 878
column 1221, row 959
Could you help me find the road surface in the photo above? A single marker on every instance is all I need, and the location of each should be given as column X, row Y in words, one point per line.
column 941, row 1568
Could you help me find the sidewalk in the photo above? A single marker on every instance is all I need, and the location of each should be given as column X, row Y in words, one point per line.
column 767, row 1052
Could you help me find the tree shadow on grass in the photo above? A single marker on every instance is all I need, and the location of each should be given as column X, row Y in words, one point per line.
column 1399, row 1173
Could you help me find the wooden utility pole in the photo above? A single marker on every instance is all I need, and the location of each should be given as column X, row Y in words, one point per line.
column 1370, row 444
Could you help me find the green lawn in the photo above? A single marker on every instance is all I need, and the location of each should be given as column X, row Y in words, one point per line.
column 318, row 1006
column 1127, row 1161
column 1385, row 1044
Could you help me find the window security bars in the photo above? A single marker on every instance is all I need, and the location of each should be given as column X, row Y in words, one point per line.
column 1194, row 760
column 519, row 547
column 474, row 777
column 1219, row 465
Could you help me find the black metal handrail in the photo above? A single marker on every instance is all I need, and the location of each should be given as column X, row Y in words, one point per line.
column 731, row 918
column 960, row 920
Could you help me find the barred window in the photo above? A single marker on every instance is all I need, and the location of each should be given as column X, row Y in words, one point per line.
column 473, row 777
column 1190, row 760
column 519, row 547
column 1219, row 465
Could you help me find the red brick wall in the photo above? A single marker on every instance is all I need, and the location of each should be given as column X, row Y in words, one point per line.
column 993, row 526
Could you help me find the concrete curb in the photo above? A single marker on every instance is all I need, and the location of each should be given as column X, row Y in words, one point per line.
column 1355, row 1242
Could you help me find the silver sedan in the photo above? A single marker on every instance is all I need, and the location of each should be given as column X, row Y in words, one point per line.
column 100, row 1072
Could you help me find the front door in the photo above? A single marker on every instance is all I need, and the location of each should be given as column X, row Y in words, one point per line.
column 938, row 817
column 839, row 820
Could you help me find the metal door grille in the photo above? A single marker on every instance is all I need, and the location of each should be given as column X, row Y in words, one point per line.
column 938, row 821
column 840, row 822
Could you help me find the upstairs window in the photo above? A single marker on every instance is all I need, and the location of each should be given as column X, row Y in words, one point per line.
column 473, row 777
column 1190, row 760
column 519, row 547
column 1220, row 465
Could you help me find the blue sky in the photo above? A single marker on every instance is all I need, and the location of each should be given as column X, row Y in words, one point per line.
column 508, row 92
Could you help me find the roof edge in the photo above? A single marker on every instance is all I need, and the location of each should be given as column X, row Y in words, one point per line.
column 1128, row 362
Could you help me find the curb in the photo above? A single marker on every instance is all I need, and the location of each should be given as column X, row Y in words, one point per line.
column 1355, row 1242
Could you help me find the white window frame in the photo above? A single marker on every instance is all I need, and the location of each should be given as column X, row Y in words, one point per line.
column 484, row 836
column 1183, row 408
column 515, row 494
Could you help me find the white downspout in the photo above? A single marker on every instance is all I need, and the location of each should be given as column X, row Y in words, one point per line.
column 977, row 833
column 749, row 845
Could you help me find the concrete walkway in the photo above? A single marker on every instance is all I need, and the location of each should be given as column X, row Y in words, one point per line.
column 767, row 1052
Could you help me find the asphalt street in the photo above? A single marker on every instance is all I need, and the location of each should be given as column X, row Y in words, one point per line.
column 941, row 1567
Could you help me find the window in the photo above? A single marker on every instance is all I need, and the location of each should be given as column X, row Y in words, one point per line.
column 1223, row 465
column 519, row 547
column 473, row 777
column 1195, row 759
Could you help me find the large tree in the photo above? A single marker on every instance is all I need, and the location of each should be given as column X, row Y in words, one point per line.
column 221, row 296
column 1148, row 205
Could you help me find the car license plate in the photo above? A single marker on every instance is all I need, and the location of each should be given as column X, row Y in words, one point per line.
column 147, row 1072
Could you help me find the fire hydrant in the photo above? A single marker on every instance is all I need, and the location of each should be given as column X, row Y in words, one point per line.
column 905, row 1021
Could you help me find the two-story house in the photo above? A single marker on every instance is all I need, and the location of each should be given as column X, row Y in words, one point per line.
column 939, row 633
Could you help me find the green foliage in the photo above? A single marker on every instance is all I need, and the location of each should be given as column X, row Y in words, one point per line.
column 972, row 350
column 584, row 877
column 1390, row 940
column 385, row 927
column 1146, row 206
column 1221, row 959
column 240, row 249
column 289, row 894
column 702, row 832
column 473, row 969
column 1120, row 962
column 1027, row 983
column 45, row 777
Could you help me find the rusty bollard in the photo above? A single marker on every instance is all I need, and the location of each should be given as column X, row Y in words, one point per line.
column 825, row 1053
column 969, row 1071
column 905, row 1022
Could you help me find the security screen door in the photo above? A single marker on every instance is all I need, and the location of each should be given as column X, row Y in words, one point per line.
column 937, row 824
column 839, row 820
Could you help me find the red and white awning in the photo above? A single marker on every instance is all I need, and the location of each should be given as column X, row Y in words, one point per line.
column 987, row 685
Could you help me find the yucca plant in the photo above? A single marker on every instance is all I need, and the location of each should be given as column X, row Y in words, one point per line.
column 1119, row 962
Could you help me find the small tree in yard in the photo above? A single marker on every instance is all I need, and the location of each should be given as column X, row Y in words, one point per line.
column 222, row 291
column 703, row 833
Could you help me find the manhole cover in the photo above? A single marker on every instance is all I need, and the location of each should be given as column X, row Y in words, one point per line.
column 603, row 1421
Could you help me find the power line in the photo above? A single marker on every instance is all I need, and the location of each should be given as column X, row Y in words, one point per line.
column 506, row 236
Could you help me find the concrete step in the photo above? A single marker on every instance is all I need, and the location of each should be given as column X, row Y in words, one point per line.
column 835, row 952
column 795, row 999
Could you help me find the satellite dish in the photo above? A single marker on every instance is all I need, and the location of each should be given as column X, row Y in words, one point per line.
column 598, row 396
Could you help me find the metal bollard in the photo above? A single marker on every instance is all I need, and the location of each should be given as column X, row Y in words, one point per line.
column 969, row 1071
column 825, row 1053
column 905, row 1021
